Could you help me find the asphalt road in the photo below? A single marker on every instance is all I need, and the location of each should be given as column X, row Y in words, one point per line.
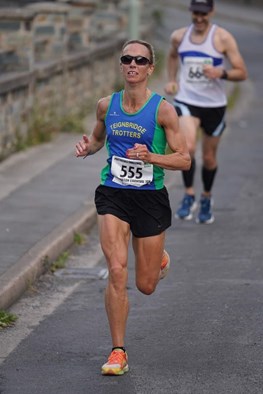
column 201, row 332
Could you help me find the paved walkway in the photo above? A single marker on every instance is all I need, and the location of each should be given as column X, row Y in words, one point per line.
column 46, row 196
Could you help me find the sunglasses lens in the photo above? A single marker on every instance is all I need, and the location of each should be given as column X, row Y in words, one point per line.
column 139, row 60
column 126, row 59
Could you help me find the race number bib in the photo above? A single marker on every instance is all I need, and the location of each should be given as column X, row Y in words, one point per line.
column 194, row 69
column 131, row 172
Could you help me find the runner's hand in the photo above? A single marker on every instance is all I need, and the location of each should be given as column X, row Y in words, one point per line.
column 139, row 151
column 212, row 72
column 82, row 147
column 171, row 88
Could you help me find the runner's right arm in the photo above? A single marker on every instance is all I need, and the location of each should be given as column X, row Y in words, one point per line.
column 90, row 145
column 173, row 61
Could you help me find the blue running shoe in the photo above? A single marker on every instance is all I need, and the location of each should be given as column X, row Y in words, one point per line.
column 205, row 214
column 188, row 206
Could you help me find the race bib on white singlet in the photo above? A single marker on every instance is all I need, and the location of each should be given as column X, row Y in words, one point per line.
column 131, row 172
column 194, row 69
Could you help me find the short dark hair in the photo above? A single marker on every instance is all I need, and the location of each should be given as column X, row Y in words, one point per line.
column 146, row 44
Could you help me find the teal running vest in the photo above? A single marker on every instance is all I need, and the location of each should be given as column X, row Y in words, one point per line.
column 123, row 130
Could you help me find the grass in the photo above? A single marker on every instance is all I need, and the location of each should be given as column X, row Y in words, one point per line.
column 157, row 16
column 232, row 99
column 7, row 319
column 60, row 262
column 79, row 239
column 159, row 63
column 44, row 125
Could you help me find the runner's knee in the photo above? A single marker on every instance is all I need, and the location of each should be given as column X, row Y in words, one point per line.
column 118, row 276
column 209, row 160
column 146, row 286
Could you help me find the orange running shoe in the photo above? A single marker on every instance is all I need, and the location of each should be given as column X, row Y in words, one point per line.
column 117, row 363
column 165, row 265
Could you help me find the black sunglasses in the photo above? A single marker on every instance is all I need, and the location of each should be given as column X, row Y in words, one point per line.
column 139, row 60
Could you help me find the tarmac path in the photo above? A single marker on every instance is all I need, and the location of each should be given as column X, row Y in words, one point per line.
column 201, row 332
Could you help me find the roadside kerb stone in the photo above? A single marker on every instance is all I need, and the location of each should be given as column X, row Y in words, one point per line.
column 35, row 262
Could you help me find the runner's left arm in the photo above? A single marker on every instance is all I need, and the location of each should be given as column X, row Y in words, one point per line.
column 226, row 43
column 178, row 158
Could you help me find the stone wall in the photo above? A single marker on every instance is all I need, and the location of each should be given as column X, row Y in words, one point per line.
column 56, row 59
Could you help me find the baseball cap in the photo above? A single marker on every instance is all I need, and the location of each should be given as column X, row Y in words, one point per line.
column 201, row 5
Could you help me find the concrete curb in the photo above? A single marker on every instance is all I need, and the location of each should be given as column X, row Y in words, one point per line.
column 36, row 261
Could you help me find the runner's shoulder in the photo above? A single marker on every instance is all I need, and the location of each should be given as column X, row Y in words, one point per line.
column 102, row 106
column 222, row 31
column 178, row 35
column 223, row 38
column 166, row 110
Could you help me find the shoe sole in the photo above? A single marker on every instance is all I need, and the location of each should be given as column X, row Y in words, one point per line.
column 110, row 372
column 190, row 216
column 165, row 270
column 210, row 221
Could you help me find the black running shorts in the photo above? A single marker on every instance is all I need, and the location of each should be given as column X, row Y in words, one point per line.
column 148, row 212
column 212, row 120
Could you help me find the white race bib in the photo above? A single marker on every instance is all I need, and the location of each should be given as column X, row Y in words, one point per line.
column 194, row 69
column 131, row 172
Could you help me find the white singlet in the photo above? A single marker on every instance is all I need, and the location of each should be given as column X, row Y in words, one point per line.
column 194, row 87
